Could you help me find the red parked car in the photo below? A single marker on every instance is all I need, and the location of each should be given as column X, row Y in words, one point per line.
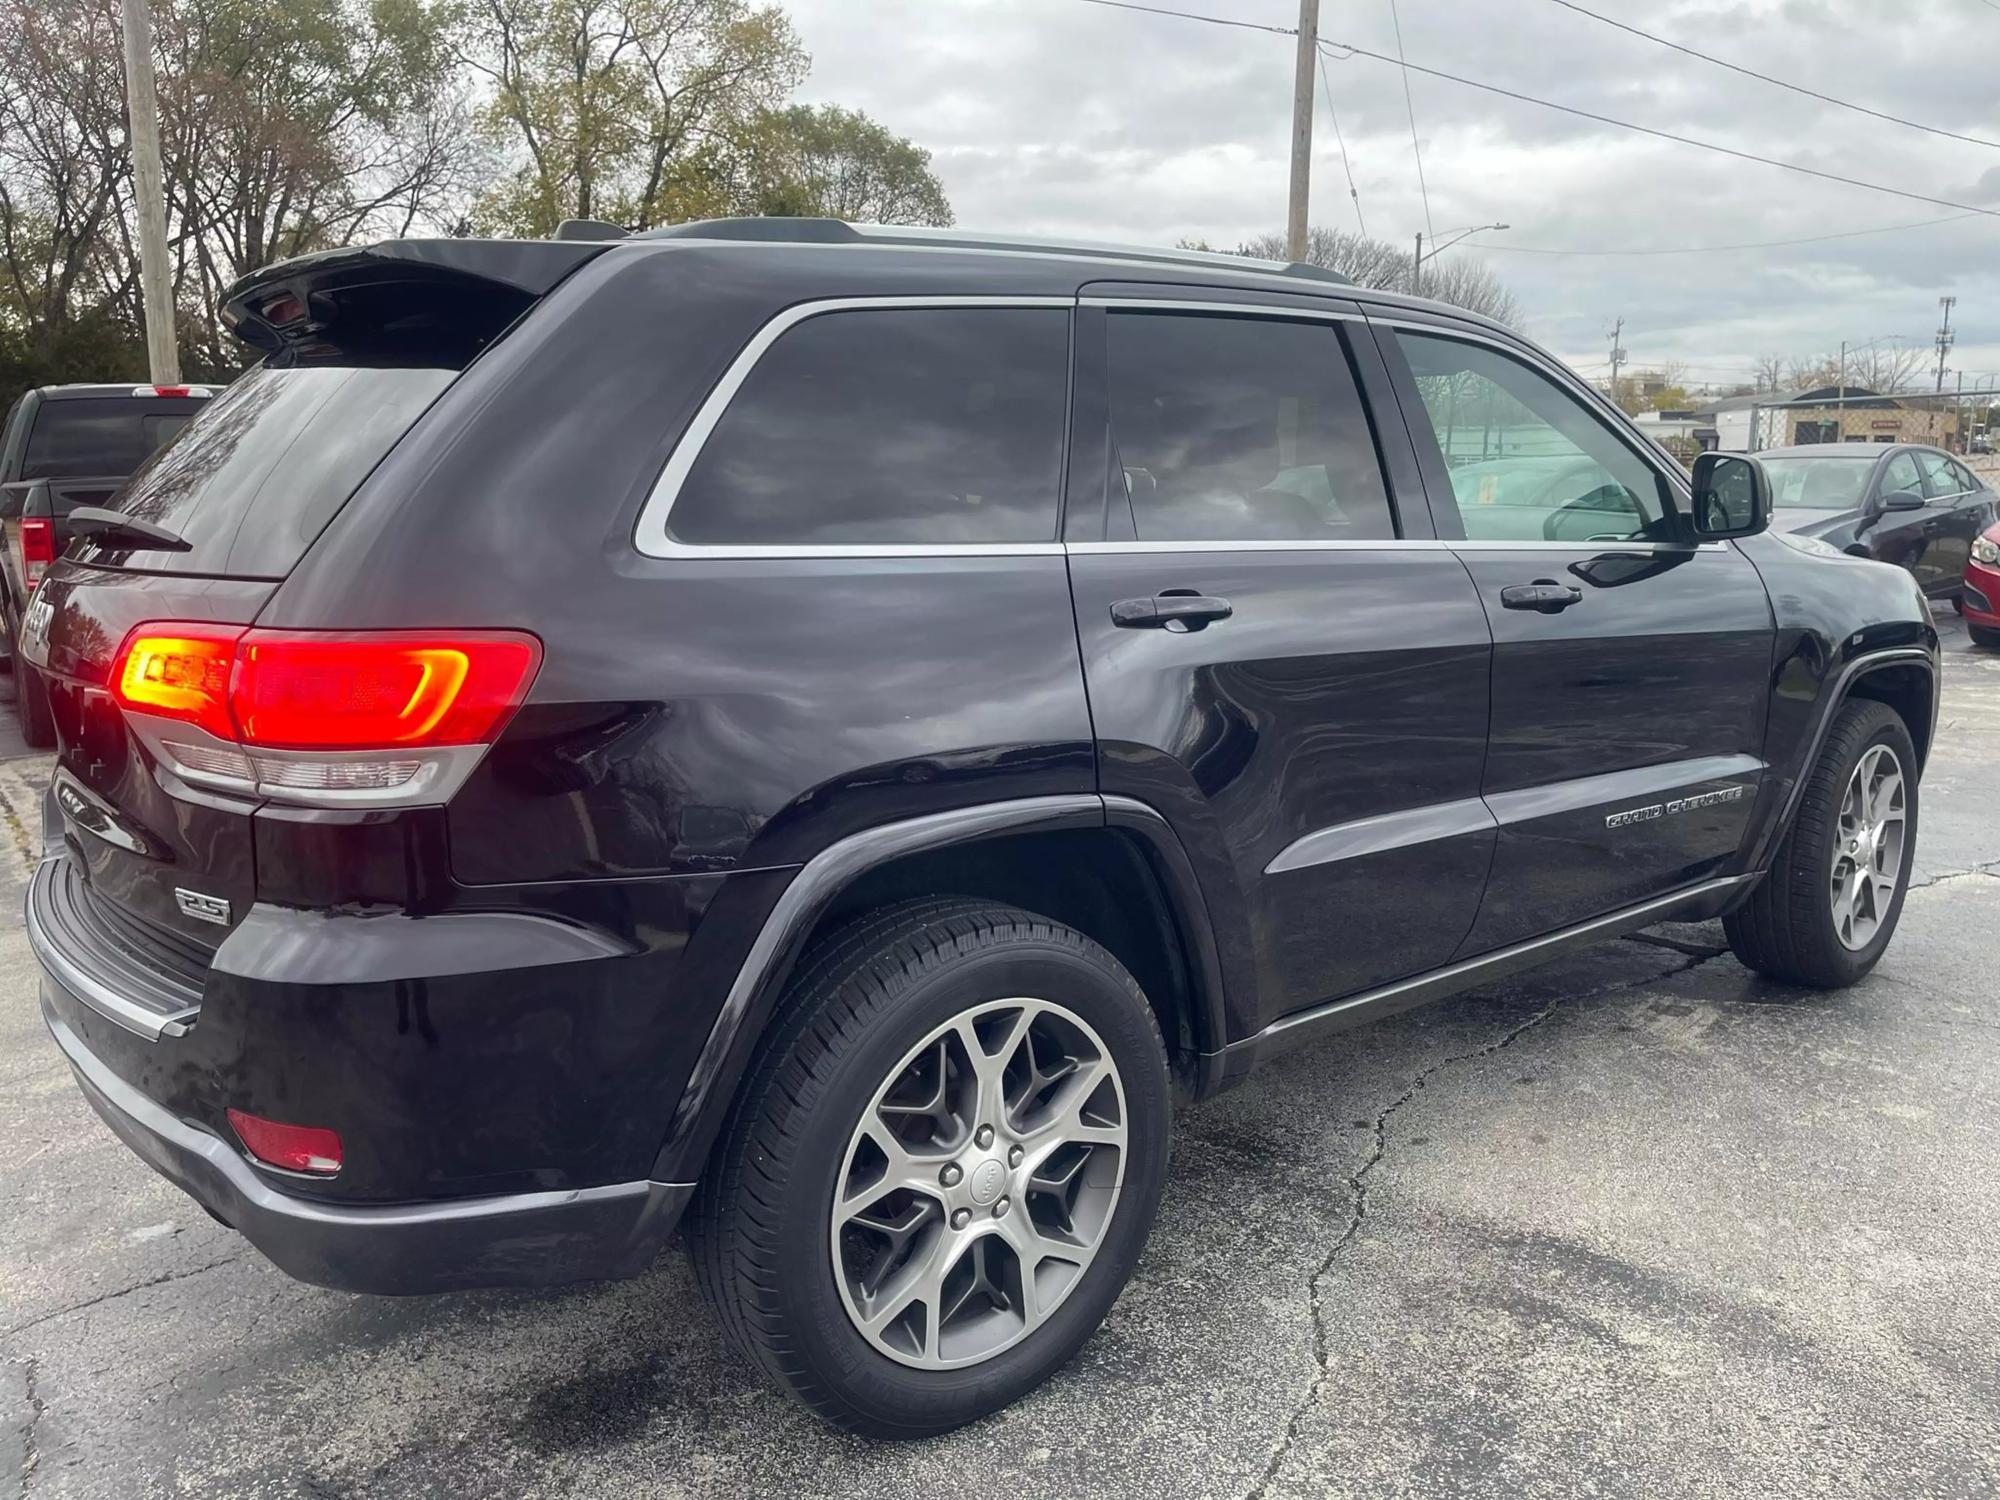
column 1979, row 600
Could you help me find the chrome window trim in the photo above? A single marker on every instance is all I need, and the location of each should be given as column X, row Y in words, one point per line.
column 1240, row 309
column 1392, row 544
column 650, row 533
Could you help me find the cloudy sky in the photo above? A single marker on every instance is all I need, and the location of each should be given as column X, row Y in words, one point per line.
column 1072, row 118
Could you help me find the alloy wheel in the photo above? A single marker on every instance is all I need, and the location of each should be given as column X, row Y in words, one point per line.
column 1868, row 847
column 979, row 1183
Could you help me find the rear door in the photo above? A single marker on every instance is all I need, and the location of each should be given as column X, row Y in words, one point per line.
column 1630, row 667
column 1280, row 657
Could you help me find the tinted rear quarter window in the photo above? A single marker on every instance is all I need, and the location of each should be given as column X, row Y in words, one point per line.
column 257, row 476
column 889, row 426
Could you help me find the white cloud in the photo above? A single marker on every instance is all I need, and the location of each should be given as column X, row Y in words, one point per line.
column 1071, row 118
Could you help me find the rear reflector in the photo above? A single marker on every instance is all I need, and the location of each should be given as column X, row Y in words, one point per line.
column 38, row 548
column 296, row 1148
column 324, row 690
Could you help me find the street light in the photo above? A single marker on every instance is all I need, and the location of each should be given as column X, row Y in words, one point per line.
column 1417, row 265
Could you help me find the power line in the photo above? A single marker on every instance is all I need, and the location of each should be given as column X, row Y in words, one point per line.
column 1410, row 106
column 1811, row 239
column 1341, row 141
column 1188, row 15
column 1777, row 82
column 1664, row 135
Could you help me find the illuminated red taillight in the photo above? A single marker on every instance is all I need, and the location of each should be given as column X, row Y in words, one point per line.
column 296, row 1148
column 38, row 548
column 180, row 672
column 341, row 693
column 300, row 691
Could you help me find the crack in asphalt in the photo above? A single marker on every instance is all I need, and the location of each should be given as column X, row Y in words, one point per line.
column 137, row 1286
column 1989, row 869
column 1357, row 1183
column 30, row 1455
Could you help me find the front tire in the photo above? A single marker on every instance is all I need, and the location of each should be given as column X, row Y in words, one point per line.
column 941, row 1169
column 1984, row 636
column 1825, row 913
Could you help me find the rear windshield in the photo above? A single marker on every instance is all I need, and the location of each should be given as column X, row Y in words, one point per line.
column 257, row 476
column 91, row 436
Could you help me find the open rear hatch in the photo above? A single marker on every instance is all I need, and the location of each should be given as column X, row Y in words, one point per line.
column 144, row 634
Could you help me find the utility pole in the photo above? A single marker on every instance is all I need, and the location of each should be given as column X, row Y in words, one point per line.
column 149, row 189
column 1944, row 339
column 1302, row 130
column 1617, row 356
column 1417, row 268
column 1840, row 394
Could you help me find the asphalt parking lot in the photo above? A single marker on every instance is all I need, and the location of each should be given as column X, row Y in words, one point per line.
column 1636, row 1223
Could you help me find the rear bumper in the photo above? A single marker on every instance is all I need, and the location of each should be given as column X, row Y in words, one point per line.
column 520, row 1239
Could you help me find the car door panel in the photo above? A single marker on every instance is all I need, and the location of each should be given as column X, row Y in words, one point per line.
column 1628, row 709
column 1327, row 735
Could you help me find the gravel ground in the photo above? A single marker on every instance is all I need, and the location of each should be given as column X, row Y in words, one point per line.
column 1634, row 1224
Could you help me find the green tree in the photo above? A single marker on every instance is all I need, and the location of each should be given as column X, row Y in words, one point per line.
column 627, row 110
column 827, row 161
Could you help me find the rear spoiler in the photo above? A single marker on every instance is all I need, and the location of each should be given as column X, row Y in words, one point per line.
column 336, row 297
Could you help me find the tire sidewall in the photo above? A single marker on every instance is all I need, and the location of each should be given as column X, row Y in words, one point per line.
column 881, row 1390
column 1888, row 730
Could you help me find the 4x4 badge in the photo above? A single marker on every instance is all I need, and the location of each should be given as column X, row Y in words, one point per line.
column 202, row 908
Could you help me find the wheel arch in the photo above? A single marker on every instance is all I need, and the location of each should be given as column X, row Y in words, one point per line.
column 1904, row 678
column 1111, row 868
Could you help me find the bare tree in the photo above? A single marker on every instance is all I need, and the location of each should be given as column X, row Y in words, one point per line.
column 1458, row 279
column 1770, row 371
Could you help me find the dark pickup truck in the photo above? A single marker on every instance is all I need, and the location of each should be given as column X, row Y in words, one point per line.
column 65, row 446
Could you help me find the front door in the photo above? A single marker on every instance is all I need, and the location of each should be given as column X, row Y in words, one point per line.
column 1629, row 665
column 1956, row 510
column 1280, row 659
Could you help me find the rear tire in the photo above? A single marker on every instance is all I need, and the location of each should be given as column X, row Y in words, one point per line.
column 1824, row 914
column 31, row 705
column 875, row 1030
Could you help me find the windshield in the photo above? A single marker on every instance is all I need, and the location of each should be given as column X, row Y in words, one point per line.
column 1818, row 483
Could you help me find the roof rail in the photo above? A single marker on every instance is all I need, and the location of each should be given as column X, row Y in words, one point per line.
column 840, row 232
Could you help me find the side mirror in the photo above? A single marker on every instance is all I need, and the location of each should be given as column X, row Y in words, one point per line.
column 1732, row 496
column 1903, row 500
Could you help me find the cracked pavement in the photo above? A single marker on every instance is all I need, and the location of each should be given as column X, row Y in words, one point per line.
column 1633, row 1224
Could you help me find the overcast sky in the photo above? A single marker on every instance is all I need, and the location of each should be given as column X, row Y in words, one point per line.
column 1070, row 118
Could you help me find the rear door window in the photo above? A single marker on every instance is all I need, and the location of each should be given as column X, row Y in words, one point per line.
column 889, row 426
column 1234, row 428
column 256, row 477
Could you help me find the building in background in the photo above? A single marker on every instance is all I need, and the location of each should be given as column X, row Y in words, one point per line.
column 1745, row 424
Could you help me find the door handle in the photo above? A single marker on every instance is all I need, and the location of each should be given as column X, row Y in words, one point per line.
column 1177, row 612
column 1544, row 596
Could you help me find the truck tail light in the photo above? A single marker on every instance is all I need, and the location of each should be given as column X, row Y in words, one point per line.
column 38, row 548
column 324, row 715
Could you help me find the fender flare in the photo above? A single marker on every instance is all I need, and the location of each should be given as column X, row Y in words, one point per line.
column 1836, row 693
column 753, row 994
